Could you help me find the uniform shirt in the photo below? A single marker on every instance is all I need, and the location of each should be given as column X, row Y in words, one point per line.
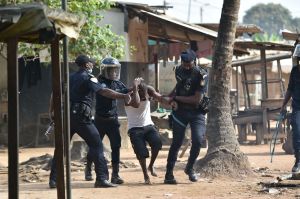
column 294, row 88
column 83, row 86
column 107, row 107
column 188, row 81
column 139, row 117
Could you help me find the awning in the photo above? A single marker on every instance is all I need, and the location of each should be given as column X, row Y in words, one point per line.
column 240, row 29
column 173, row 28
column 36, row 23
column 263, row 45
column 290, row 35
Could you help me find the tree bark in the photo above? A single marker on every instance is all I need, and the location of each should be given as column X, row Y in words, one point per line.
column 223, row 156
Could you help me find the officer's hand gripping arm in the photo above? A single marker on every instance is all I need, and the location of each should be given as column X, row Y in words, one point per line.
column 115, row 95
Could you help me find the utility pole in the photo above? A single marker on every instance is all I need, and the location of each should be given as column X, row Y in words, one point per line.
column 201, row 14
column 189, row 11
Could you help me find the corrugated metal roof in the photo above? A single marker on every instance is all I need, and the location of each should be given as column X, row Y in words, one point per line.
column 36, row 23
column 202, row 30
column 240, row 29
column 263, row 45
column 290, row 35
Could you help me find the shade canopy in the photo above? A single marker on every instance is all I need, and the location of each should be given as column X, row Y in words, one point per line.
column 36, row 23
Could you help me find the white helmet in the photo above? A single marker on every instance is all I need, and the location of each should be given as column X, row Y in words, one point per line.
column 110, row 68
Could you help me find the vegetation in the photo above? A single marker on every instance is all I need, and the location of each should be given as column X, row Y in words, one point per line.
column 271, row 18
column 94, row 40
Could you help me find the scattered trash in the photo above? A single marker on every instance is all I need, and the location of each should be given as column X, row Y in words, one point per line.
column 168, row 194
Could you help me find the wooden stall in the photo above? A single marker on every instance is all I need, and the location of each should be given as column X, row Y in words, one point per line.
column 269, row 108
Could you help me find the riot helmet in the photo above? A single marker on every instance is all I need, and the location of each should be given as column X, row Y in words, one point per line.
column 297, row 51
column 110, row 68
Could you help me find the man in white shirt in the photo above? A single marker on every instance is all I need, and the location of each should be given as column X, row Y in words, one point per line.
column 141, row 128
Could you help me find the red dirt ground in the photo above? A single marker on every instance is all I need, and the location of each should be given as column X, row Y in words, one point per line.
column 135, row 189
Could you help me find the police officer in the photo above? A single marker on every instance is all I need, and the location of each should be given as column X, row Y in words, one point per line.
column 83, row 85
column 185, row 99
column 106, row 117
column 293, row 92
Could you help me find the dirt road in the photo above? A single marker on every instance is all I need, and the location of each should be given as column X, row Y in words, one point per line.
column 135, row 189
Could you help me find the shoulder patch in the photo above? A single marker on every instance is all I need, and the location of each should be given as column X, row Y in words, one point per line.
column 94, row 79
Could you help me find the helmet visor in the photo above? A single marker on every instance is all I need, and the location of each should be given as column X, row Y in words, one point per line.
column 112, row 73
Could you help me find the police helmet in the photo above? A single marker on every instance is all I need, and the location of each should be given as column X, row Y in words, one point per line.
column 297, row 51
column 110, row 68
column 81, row 60
column 188, row 56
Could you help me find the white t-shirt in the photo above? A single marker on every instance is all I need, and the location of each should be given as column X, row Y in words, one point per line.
column 139, row 117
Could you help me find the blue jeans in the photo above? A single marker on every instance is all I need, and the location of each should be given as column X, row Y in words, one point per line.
column 295, row 122
column 181, row 118
column 89, row 133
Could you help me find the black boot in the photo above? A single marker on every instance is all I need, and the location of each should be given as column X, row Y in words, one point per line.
column 52, row 184
column 169, row 177
column 88, row 171
column 190, row 172
column 115, row 178
column 104, row 184
column 296, row 167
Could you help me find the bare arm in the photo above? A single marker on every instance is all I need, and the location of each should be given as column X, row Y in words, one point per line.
column 135, row 97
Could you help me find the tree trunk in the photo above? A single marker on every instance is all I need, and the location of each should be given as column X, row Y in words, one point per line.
column 223, row 156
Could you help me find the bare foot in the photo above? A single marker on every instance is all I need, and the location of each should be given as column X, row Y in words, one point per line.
column 152, row 171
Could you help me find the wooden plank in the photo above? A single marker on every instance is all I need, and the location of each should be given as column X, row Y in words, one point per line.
column 57, row 104
column 282, row 87
column 271, row 103
column 245, row 88
column 247, row 119
column 264, row 85
column 138, row 37
column 13, row 118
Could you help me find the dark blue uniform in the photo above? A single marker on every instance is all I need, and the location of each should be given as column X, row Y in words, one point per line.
column 188, row 83
column 294, row 88
column 82, row 88
column 106, row 117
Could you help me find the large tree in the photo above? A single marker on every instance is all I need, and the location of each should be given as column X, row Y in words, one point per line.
column 223, row 155
column 271, row 18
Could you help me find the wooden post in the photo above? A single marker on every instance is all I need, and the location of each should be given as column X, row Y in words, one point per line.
column 156, row 72
column 246, row 88
column 264, row 88
column 237, row 88
column 66, row 110
column 282, row 88
column 57, row 104
column 13, row 118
